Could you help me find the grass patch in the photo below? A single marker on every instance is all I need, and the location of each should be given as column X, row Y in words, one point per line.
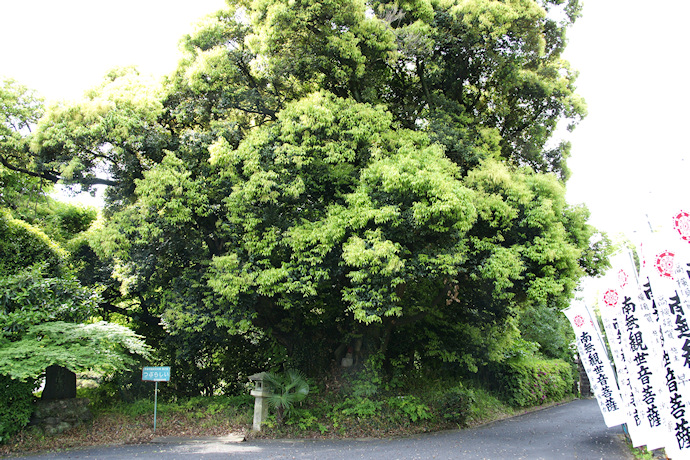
column 487, row 407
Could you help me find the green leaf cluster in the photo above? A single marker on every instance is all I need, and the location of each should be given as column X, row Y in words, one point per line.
column 531, row 382
column 286, row 390
column 30, row 298
column 103, row 348
column 20, row 109
column 16, row 406
column 22, row 243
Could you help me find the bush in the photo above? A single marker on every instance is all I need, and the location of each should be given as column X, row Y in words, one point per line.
column 410, row 407
column 531, row 382
column 16, row 405
column 196, row 407
column 455, row 405
column 21, row 244
column 287, row 389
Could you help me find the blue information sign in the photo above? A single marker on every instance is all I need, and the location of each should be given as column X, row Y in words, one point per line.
column 156, row 374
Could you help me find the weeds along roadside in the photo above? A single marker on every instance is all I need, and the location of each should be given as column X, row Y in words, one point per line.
column 348, row 410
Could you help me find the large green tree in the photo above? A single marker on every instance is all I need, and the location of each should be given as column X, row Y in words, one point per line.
column 315, row 172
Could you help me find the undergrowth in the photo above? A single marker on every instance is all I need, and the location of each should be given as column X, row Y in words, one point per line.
column 338, row 408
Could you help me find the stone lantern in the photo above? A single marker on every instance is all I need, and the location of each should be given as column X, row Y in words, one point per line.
column 260, row 392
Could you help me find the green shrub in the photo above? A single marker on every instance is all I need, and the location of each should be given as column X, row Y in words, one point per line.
column 531, row 382
column 72, row 220
column 366, row 382
column 120, row 387
column 16, row 405
column 410, row 407
column 361, row 407
column 287, row 389
column 455, row 405
column 199, row 407
column 22, row 244
column 304, row 419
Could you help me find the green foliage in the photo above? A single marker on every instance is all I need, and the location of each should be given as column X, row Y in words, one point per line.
column 315, row 171
column 305, row 420
column 367, row 381
column 360, row 407
column 30, row 298
column 521, row 349
column 216, row 404
column 98, row 347
column 550, row 331
column 641, row 453
column 20, row 109
column 411, row 407
column 455, row 404
column 16, row 405
column 531, row 382
column 114, row 130
column 22, row 244
column 42, row 316
column 73, row 220
column 60, row 221
column 122, row 387
column 197, row 407
column 286, row 390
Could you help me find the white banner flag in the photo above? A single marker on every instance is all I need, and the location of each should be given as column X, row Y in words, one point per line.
column 667, row 270
column 633, row 332
column 597, row 365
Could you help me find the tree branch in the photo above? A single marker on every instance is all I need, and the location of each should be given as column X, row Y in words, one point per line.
column 53, row 177
column 47, row 175
column 147, row 318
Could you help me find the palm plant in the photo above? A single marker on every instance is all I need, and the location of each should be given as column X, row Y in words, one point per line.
column 287, row 389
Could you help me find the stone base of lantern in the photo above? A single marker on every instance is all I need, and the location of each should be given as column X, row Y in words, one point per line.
column 260, row 408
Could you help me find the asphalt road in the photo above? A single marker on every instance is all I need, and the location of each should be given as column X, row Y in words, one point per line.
column 573, row 431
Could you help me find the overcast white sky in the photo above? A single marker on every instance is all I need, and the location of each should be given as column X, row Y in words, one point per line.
column 61, row 48
column 629, row 154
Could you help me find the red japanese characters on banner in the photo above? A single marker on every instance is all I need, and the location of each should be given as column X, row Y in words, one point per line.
column 622, row 278
column 664, row 263
column 579, row 321
column 681, row 223
column 611, row 298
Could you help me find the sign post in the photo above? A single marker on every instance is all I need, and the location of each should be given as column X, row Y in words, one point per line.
column 155, row 374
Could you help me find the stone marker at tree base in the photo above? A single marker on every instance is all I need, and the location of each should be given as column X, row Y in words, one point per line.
column 59, row 409
column 57, row 415
column 260, row 392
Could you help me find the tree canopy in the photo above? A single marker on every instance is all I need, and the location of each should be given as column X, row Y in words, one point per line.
column 317, row 172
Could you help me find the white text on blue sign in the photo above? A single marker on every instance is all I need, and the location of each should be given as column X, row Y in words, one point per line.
column 156, row 373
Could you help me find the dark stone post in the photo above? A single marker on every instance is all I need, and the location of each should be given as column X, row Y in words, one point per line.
column 61, row 383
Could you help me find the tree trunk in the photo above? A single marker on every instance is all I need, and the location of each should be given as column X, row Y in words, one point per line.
column 61, row 383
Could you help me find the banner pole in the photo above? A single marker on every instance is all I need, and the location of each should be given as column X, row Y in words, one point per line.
column 155, row 406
